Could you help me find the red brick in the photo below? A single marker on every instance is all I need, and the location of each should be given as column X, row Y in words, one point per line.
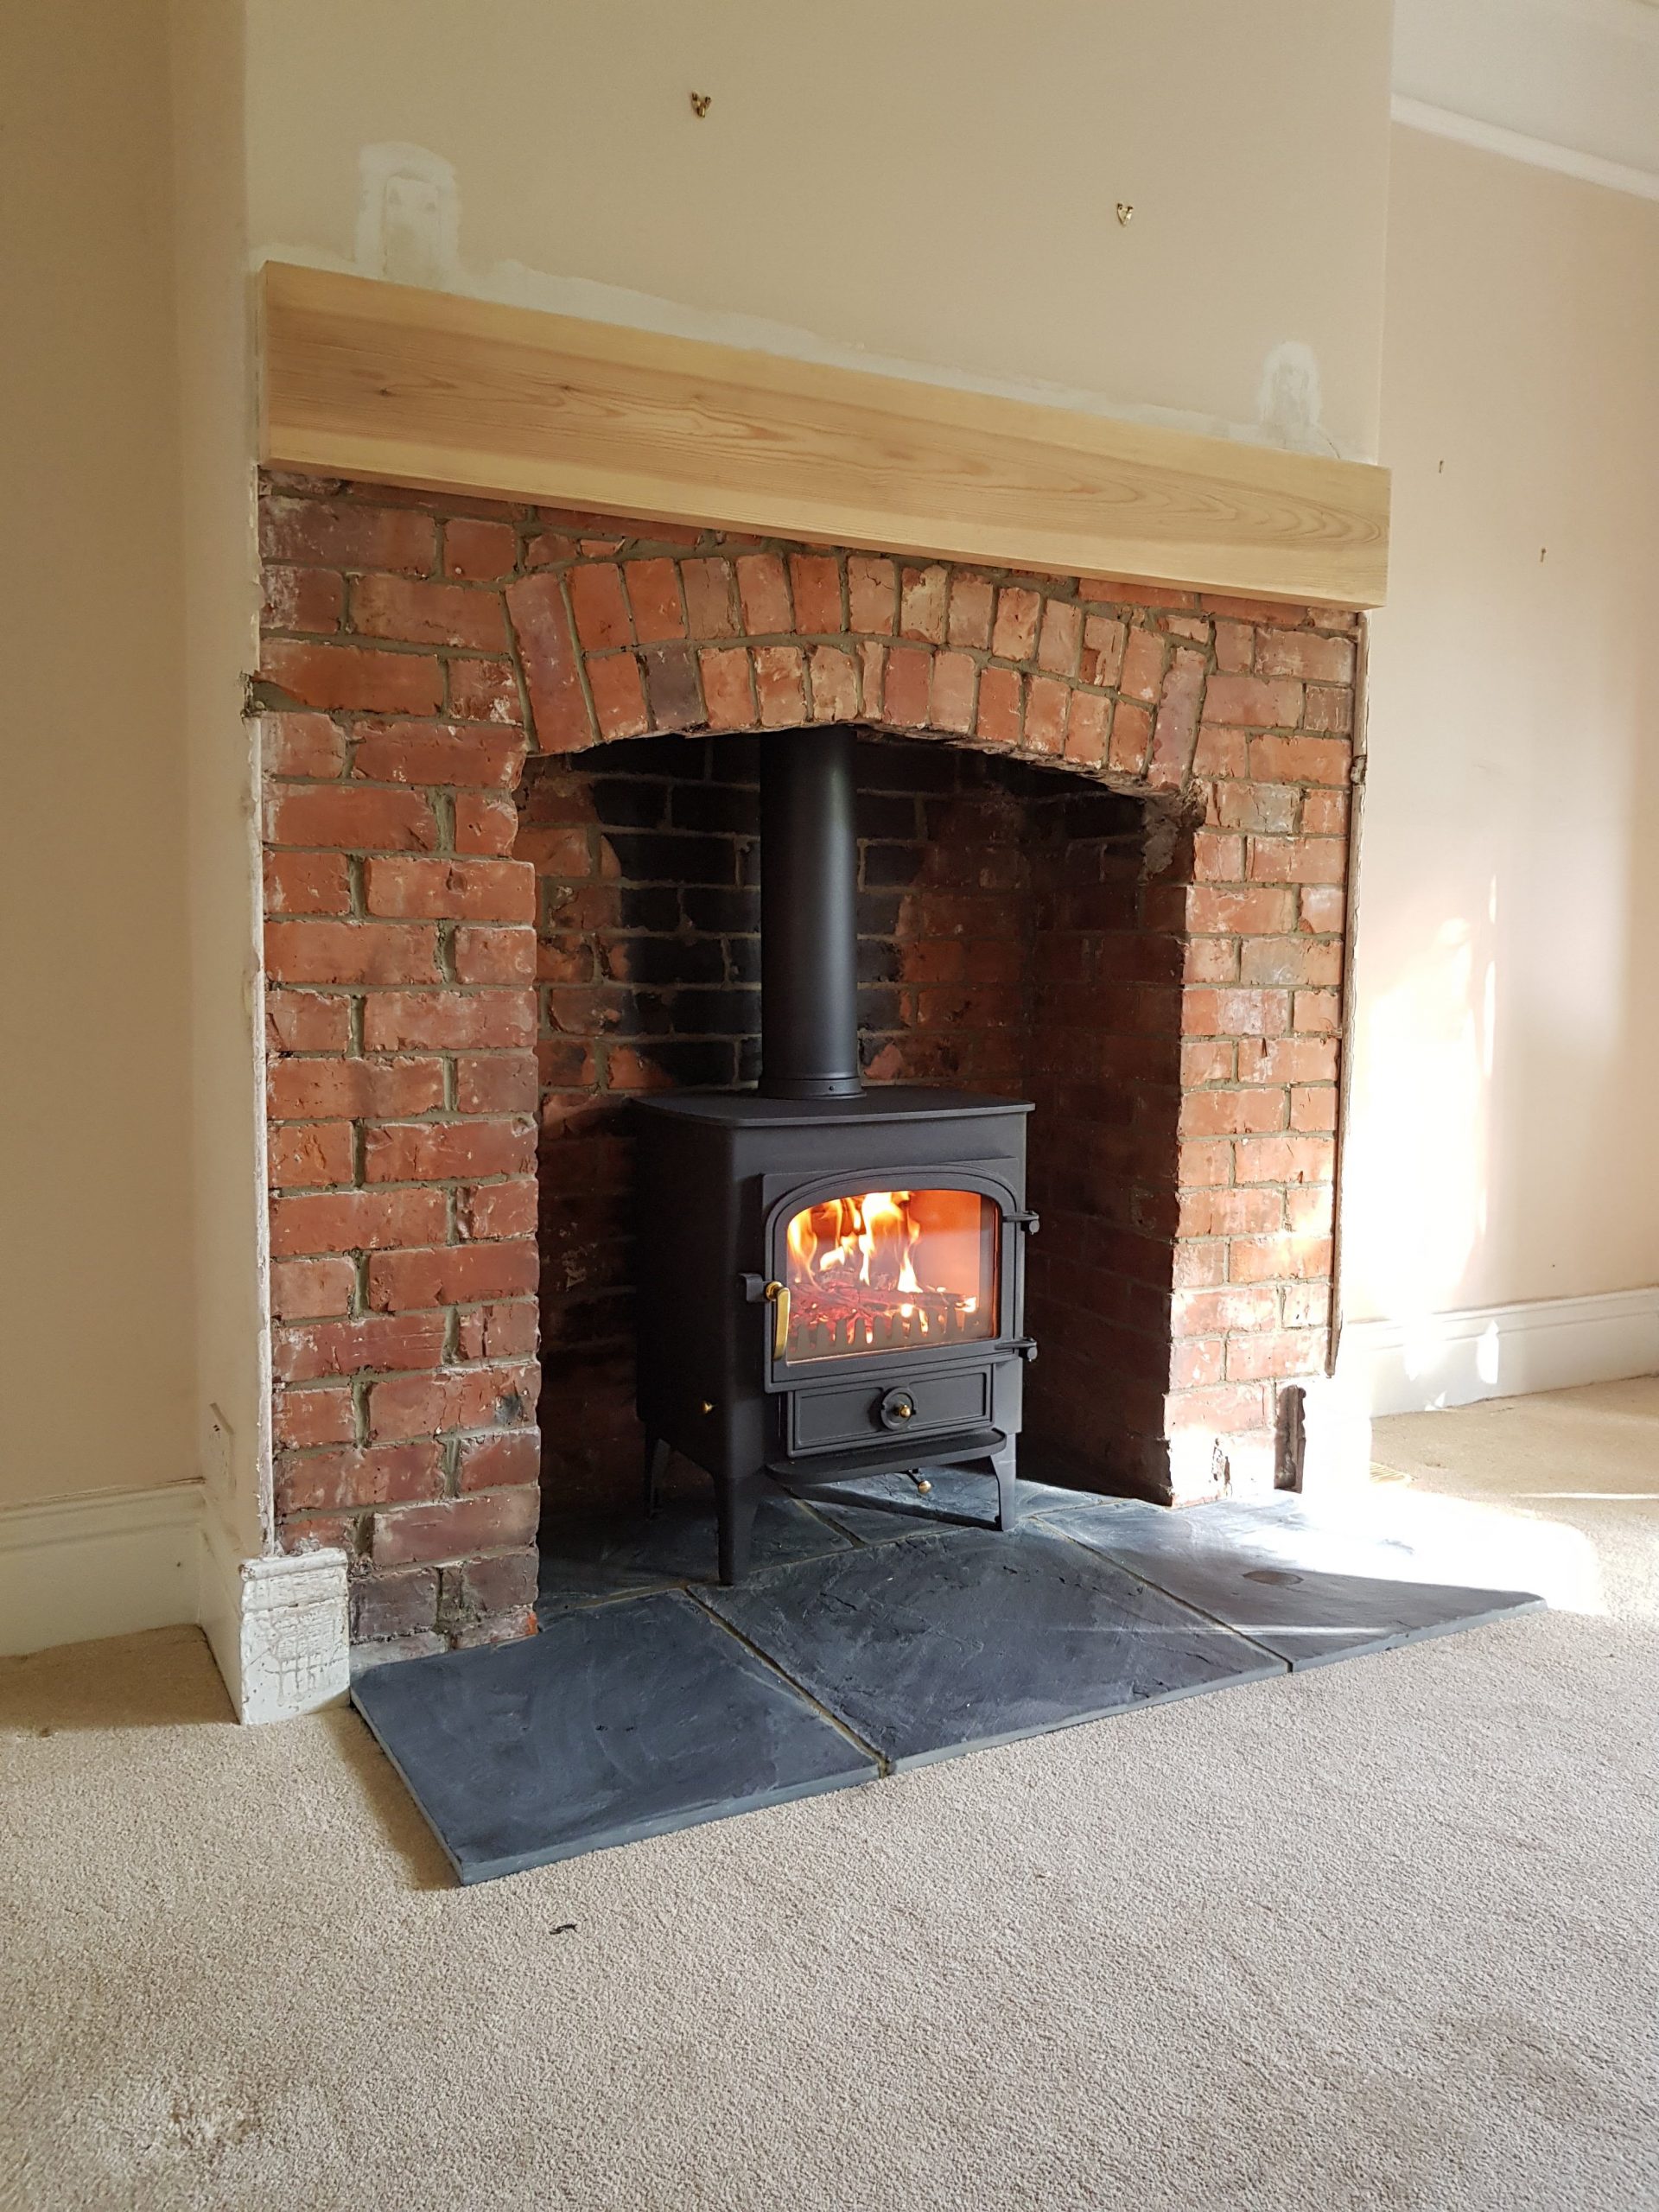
column 308, row 600
column 1235, row 1014
column 396, row 1611
column 306, row 883
column 438, row 752
column 390, row 1474
column 1251, row 702
column 1216, row 1313
column 1298, row 860
column 910, row 673
column 1317, row 1013
column 1175, row 731
column 350, row 952
column 499, row 1462
column 1047, row 702
column 1306, row 1304
column 728, row 687
column 834, row 684
column 1220, row 752
column 1311, row 1208
column 1284, row 1160
column 496, row 1082
column 815, row 578
column 488, row 1600
column 872, row 595
column 353, row 675
column 1270, row 808
column 351, row 818
column 1257, row 912
column 653, row 588
column 1103, row 640
column 1287, row 1351
column 763, row 593
column 780, row 682
column 342, row 534
column 1324, row 909
column 972, row 599
column 1287, row 1059
column 1286, row 1256
column 547, row 652
column 304, row 1290
column 1314, row 1111
column 1206, row 1163
column 464, row 1397
column 502, row 1332
column 1000, row 706
column 437, row 1152
column 922, row 594
column 599, row 605
column 306, row 1157
column 1235, row 648
column 452, row 1021
column 1060, row 640
column 1225, row 1408
column 478, row 552
column 619, row 695
column 1299, row 652
column 1216, row 857
column 427, row 614
column 300, row 1418
column 498, row 1210
column 301, row 744
column 453, row 1274
column 356, row 1221
column 1210, row 960
column 377, row 1343
column 1232, row 1113
column 950, row 700
column 480, row 890
column 1256, row 1211
column 1018, row 612
column 1142, row 675
column 1325, row 814
column 709, row 610
column 1207, row 1060
column 494, row 955
column 484, row 823
column 1131, row 739
column 304, row 1091
column 1288, row 962
column 1328, row 711
column 485, row 691
column 1300, row 760
column 1085, row 735
column 307, row 1021
column 497, row 1520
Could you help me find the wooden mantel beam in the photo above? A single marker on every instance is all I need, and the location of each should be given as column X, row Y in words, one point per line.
column 390, row 382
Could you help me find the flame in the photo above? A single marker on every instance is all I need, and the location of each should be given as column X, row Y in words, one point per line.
column 854, row 1265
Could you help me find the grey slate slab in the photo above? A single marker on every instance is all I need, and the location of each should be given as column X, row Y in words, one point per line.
column 1307, row 1587
column 614, row 1723
column 615, row 1557
column 951, row 1641
column 957, row 1494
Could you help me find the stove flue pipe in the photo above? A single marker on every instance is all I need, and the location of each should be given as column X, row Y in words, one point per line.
column 809, row 919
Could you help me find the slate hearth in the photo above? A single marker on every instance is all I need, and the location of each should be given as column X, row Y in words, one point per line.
column 864, row 1640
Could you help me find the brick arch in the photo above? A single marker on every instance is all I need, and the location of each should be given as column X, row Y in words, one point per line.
column 416, row 650
column 734, row 637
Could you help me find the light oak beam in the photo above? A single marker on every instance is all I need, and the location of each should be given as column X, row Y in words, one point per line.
column 395, row 384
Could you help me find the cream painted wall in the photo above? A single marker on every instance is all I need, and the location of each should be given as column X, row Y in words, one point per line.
column 96, row 1289
column 933, row 183
column 1502, row 1142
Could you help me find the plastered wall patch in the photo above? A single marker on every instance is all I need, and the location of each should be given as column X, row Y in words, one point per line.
column 408, row 216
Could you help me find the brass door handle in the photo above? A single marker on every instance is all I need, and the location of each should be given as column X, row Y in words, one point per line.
column 777, row 1296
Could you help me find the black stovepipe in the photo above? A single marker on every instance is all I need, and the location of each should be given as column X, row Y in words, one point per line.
column 809, row 918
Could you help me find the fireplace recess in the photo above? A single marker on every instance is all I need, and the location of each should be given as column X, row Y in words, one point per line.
column 831, row 1279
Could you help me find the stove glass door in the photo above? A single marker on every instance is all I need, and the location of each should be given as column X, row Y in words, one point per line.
column 876, row 1271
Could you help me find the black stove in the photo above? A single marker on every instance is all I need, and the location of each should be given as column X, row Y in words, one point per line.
column 832, row 1279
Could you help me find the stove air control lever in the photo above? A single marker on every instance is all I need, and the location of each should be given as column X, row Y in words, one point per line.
column 895, row 1408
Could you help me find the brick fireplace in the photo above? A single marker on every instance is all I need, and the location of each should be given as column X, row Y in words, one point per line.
column 511, row 854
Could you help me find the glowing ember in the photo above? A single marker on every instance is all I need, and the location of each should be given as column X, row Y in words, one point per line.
column 882, row 1270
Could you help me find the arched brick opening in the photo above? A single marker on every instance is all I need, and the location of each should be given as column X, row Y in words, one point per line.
column 427, row 960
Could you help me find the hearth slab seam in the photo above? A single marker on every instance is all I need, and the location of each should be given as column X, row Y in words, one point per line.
column 883, row 1765
column 1185, row 1603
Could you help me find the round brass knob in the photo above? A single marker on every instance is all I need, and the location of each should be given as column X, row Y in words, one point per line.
column 895, row 1408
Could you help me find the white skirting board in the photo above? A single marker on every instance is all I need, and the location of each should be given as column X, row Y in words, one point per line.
column 117, row 1561
column 1497, row 1351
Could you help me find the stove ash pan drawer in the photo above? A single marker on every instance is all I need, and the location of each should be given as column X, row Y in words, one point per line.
column 857, row 1413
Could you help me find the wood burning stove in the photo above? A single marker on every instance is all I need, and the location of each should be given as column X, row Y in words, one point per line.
column 832, row 1279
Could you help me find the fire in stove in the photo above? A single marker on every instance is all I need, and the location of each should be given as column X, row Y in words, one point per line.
column 887, row 1271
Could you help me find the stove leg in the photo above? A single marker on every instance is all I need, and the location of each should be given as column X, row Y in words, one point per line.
column 1008, row 1487
column 657, row 1458
column 737, row 1499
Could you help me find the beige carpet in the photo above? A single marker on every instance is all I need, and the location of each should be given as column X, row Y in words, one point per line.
column 1381, row 1936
